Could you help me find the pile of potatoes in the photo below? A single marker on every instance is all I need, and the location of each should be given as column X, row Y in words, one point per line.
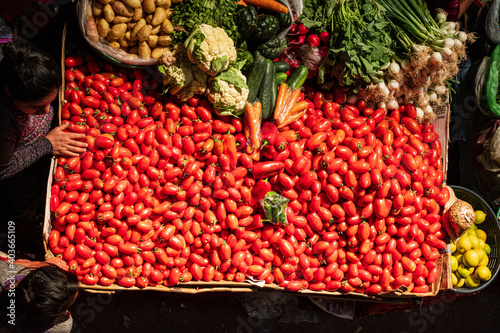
column 140, row 27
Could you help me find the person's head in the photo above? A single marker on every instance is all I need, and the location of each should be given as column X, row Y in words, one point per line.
column 29, row 77
column 43, row 298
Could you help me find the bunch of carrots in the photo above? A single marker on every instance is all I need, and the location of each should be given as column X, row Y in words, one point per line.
column 265, row 4
column 288, row 109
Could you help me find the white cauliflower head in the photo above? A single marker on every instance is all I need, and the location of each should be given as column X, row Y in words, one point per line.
column 228, row 92
column 180, row 76
column 197, row 86
column 210, row 48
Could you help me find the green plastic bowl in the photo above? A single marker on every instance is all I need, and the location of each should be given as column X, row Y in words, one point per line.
column 492, row 229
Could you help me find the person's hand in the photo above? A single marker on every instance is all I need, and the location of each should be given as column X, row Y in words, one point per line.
column 64, row 143
column 32, row 265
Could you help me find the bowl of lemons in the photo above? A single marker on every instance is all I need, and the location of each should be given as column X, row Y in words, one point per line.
column 474, row 256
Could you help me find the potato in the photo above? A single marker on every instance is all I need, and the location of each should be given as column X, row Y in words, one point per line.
column 103, row 28
column 138, row 26
column 132, row 3
column 92, row 32
column 165, row 40
column 122, row 9
column 158, row 52
column 124, row 42
column 114, row 45
column 109, row 13
column 176, row 1
column 153, row 41
column 104, row 2
column 130, row 26
column 156, row 30
column 149, row 6
column 97, row 8
column 159, row 16
column 169, row 13
column 138, row 13
column 134, row 50
column 167, row 26
column 149, row 18
column 117, row 31
column 121, row 19
column 144, row 33
column 144, row 49
column 163, row 3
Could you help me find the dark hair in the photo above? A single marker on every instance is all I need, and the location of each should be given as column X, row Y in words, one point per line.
column 29, row 73
column 42, row 299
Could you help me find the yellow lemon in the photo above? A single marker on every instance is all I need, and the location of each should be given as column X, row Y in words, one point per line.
column 453, row 263
column 487, row 249
column 454, row 279
column 470, row 232
column 483, row 273
column 485, row 261
column 464, row 244
column 460, row 282
column 481, row 254
column 480, row 216
column 459, row 257
column 482, row 244
column 481, row 235
column 472, row 281
column 453, row 247
column 463, row 271
column 474, row 242
column 471, row 258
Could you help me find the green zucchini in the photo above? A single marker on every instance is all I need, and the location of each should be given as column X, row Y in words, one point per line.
column 255, row 76
column 297, row 78
column 268, row 90
column 281, row 77
column 281, row 66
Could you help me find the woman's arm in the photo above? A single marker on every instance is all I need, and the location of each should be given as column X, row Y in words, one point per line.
column 12, row 160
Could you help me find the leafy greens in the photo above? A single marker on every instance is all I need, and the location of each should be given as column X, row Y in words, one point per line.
column 191, row 13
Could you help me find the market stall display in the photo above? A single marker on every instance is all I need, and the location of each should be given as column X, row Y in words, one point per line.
column 244, row 169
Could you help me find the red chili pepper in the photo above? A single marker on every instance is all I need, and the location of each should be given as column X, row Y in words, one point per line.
column 267, row 169
column 230, row 150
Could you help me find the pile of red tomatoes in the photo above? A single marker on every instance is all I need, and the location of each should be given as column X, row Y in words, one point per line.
column 166, row 193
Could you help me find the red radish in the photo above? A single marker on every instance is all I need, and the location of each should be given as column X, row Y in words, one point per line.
column 303, row 30
column 313, row 40
column 323, row 52
column 324, row 36
column 293, row 29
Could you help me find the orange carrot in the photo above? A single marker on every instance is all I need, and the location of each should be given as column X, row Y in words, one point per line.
column 287, row 106
column 268, row 4
column 256, row 155
column 242, row 3
column 283, row 94
column 253, row 117
column 300, row 106
column 292, row 118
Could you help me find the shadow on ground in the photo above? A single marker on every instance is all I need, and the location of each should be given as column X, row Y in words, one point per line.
column 146, row 311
